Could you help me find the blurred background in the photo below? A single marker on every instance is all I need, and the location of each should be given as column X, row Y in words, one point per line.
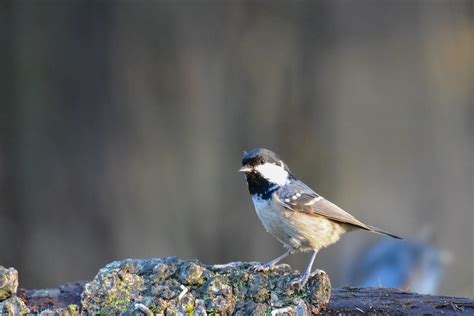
column 122, row 126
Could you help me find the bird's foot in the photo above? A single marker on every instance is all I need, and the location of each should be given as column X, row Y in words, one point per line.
column 264, row 267
column 300, row 282
column 317, row 271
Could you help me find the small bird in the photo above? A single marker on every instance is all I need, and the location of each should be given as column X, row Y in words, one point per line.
column 298, row 217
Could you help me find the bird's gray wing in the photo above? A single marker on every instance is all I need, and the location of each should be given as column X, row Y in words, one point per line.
column 299, row 197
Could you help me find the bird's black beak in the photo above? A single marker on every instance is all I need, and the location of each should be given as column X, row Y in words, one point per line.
column 246, row 169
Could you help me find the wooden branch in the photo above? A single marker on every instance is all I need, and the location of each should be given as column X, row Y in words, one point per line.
column 171, row 285
column 60, row 298
column 395, row 302
column 343, row 301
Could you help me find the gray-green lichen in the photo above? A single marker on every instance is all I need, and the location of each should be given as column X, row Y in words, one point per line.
column 13, row 306
column 8, row 282
column 10, row 304
column 172, row 286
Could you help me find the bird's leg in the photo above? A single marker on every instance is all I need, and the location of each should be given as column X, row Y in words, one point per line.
column 270, row 265
column 301, row 281
column 278, row 259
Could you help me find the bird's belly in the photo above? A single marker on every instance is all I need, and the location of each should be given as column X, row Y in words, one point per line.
column 297, row 230
column 274, row 220
column 318, row 231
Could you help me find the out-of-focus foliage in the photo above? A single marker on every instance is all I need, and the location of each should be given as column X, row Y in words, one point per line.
column 122, row 126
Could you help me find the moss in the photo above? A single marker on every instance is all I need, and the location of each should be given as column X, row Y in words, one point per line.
column 263, row 295
column 222, row 289
column 13, row 306
column 73, row 309
column 190, row 309
column 122, row 292
column 8, row 282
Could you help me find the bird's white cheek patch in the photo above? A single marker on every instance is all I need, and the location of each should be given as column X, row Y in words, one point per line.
column 273, row 173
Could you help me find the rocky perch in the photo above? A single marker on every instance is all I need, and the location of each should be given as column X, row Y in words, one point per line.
column 175, row 287
column 9, row 302
column 171, row 286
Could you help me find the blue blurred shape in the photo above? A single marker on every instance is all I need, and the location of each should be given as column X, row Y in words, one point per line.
column 408, row 265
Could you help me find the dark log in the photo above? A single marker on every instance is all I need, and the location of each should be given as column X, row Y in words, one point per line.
column 371, row 301
column 53, row 299
column 367, row 301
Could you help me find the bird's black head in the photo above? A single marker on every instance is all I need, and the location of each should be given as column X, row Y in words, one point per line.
column 265, row 171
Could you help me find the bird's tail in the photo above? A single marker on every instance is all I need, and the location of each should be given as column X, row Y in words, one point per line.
column 383, row 232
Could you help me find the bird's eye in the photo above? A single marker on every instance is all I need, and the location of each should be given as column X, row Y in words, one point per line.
column 262, row 161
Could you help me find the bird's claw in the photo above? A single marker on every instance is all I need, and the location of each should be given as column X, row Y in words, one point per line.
column 317, row 271
column 263, row 267
column 299, row 282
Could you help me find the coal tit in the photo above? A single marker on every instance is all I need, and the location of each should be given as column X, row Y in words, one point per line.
column 298, row 217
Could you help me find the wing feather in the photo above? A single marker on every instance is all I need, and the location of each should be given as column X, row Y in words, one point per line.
column 300, row 198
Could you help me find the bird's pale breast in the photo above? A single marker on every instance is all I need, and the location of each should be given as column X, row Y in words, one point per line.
column 297, row 230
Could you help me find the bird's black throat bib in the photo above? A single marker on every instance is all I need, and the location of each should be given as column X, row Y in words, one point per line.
column 260, row 186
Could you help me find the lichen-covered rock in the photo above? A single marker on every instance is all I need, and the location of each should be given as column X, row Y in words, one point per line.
column 8, row 282
column 115, row 287
column 71, row 310
column 191, row 273
column 13, row 306
column 171, row 286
